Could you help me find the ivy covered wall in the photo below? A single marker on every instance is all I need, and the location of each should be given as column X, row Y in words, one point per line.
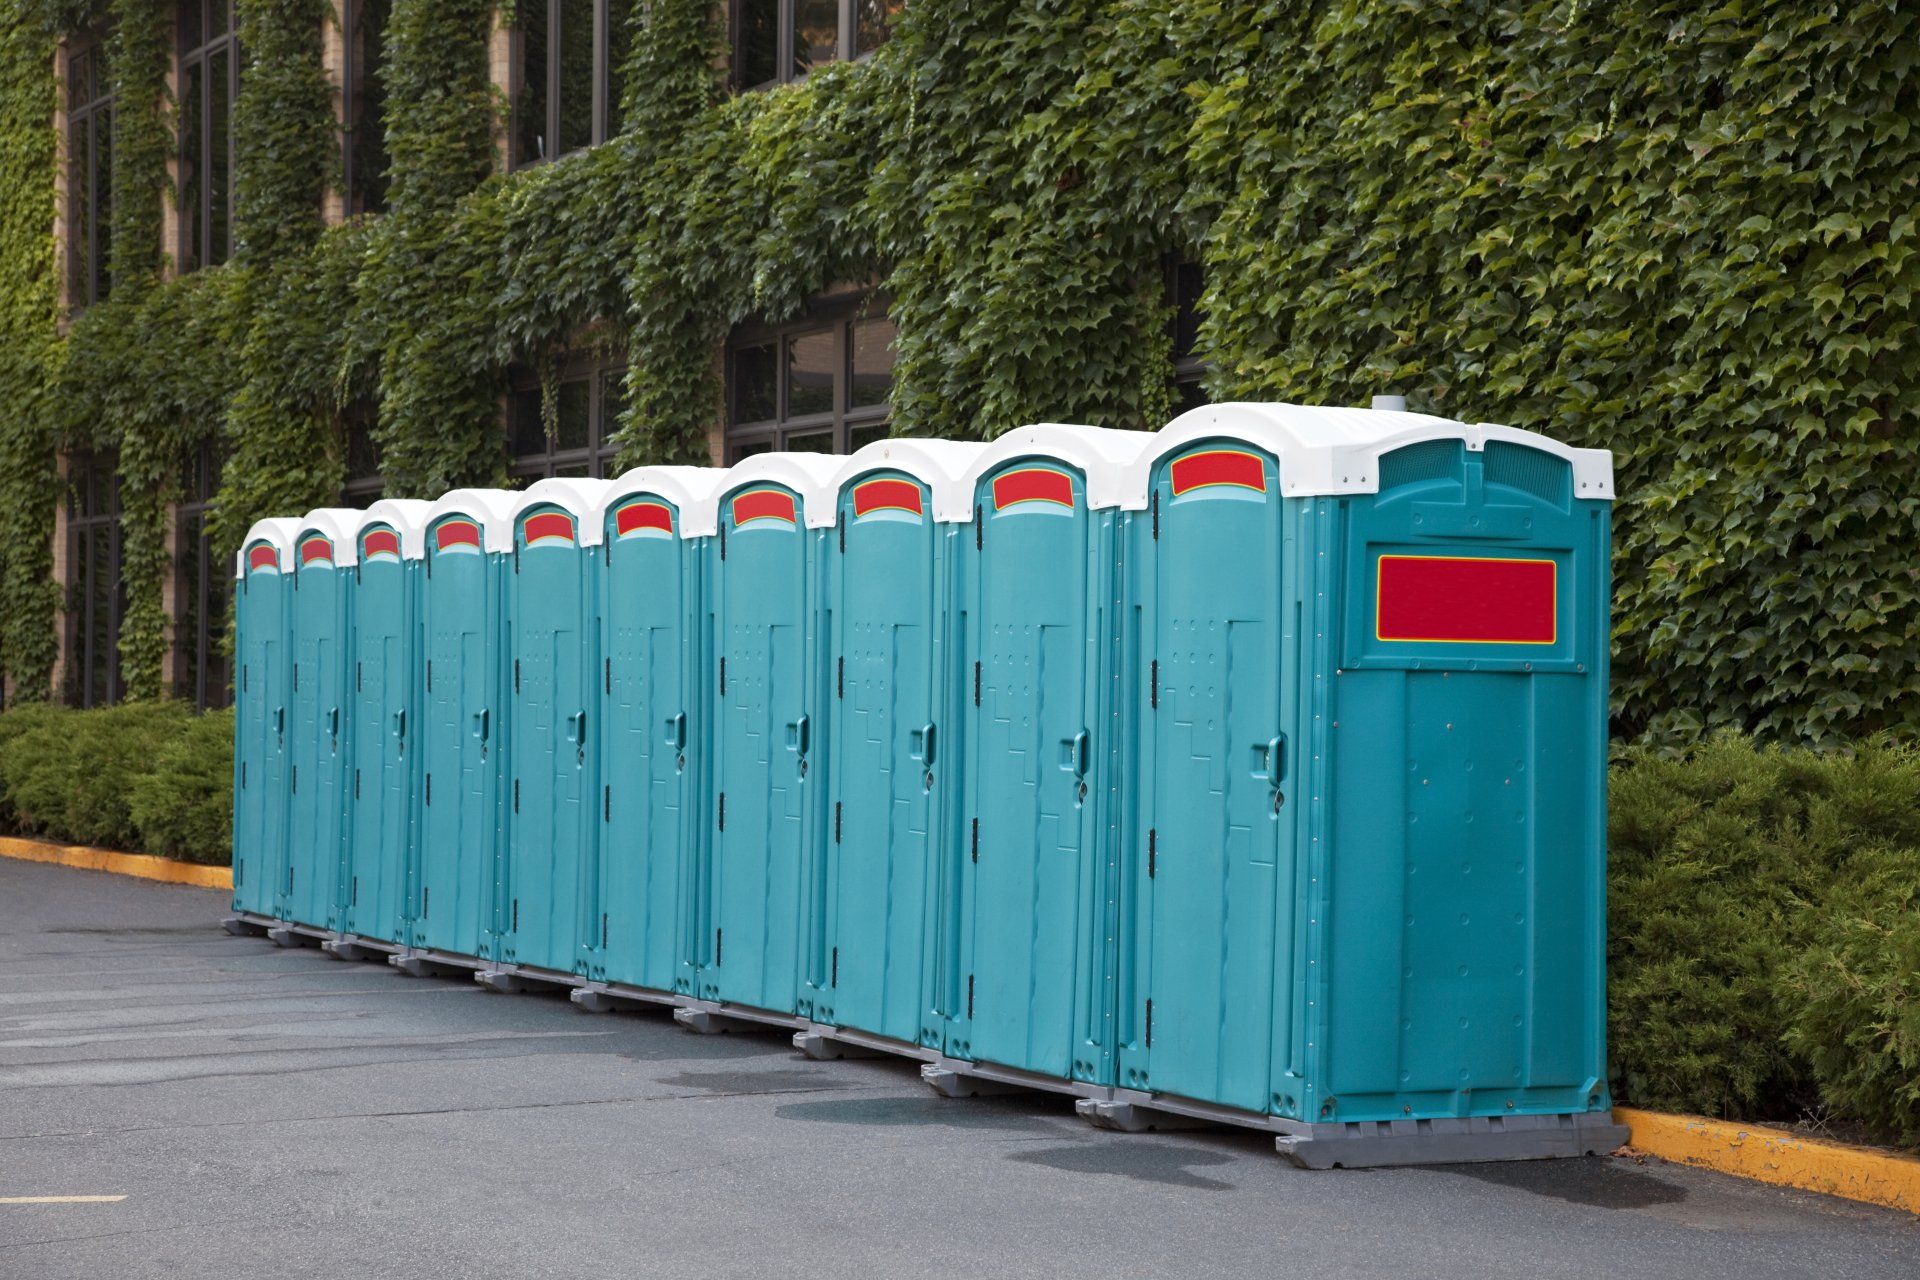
column 1682, row 233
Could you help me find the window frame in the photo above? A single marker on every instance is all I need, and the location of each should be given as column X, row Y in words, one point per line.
column 845, row 43
column 195, row 181
column 89, row 280
column 598, row 455
column 604, row 109
column 739, row 437
column 205, row 590
column 354, row 77
column 88, row 520
column 1185, row 284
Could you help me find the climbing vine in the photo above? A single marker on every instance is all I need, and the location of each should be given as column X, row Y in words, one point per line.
column 1682, row 234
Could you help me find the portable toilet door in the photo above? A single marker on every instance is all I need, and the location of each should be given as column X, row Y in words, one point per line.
column 649, row 586
column 318, row 778
column 1035, row 576
column 469, row 535
column 885, row 588
column 554, row 812
column 264, row 643
column 760, row 883
column 383, row 719
column 1210, row 838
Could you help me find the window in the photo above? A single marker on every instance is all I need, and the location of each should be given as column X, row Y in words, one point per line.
column 209, row 85
column 587, row 403
column 809, row 387
column 1185, row 284
column 206, row 585
column 365, row 485
column 567, row 59
column 363, row 89
column 775, row 41
column 95, row 597
column 89, row 176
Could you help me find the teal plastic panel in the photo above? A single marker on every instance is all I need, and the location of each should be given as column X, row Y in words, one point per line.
column 648, row 588
column 318, row 773
column 1456, row 899
column 1210, row 856
column 382, row 721
column 263, row 641
column 459, row 803
column 887, row 759
column 1032, row 574
column 762, row 562
column 552, row 812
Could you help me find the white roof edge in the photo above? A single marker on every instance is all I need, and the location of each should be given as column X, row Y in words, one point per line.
column 342, row 527
column 492, row 508
column 1102, row 454
column 941, row 465
column 578, row 496
column 277, row 530
column 683, row 486
column 1331, row 450
column 804, row 473
column 408, row 516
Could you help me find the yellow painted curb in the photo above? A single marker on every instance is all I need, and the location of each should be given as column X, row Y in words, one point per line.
column 1777, row 1156
column 126, row 864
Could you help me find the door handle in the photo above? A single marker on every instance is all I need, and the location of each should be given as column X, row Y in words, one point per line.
column 333, row 722
column 400, row 730
column 1073, row 754
column 676, row 731
column 1273, row 759
column 797, row 736
column 920, row 744
column 480, row 726
column 280, row 722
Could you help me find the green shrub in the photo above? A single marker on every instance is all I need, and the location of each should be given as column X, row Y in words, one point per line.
column 13, row 724
column 70, row 776
column 184, row 807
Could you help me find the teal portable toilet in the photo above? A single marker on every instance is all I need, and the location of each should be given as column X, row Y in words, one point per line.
column 897, row 505
column 552, row 755
column 263, row 643
column 759, row 881
column 651, row 773
column 469, row 540
column 318, row 773
column 382, row 720
column 1026, row 994
column 1364, row 902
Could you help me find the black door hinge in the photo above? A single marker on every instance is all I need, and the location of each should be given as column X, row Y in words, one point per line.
column 836, row 822
column 516, row 557
column 1156, row 515
column 723, row 556
column 834, row 979
column 516, row 795
column 1153, row 684
column 969, row 995
column 840, row 677
column 426, row 899
column 243, row 677
column 1149, row 1024
column 606, row 551
column 357, row 686
column 723, row 677
column 719, row 940
column 1153, row 849
column 296, row 677
column 243, row 775
column 976, row 684
column 429, row 675
column 355, row 899
column 296, row 779
column 975, row 854
column 429, row 788
column 843, row 538
column 516, row 675
column 516, row 915
column 723, row 811
column 356, row 784
column 609, row 675
column 603, row 931
column 606, row 803
column 978, row 537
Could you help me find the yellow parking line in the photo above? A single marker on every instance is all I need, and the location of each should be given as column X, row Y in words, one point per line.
column 61, row 1199
column 1777, row 1156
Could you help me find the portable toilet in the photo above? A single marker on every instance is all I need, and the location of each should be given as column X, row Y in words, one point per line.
column 651, row 775
column 469, row 539
column 898, row 506
column 1033, row 621
column 1366, row 866
column 553, row 794
column 318, row 777
column 383, row 719
column 262, row 568
column 758, row 880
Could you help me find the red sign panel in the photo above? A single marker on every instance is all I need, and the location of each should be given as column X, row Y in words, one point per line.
column 457, row 533
column 1032, row 484
column 262, row 556
column 316, row 548
column 763, row 504
column 886, row 495
column 549, row 526
column 636, row 516
column 380, row 542
column 1231, row 467
column 1466, row 600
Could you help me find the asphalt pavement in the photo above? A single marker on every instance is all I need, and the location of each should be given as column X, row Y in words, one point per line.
column 249, row 1110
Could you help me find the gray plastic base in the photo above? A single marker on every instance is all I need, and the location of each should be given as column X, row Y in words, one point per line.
column 423, row 962
column 244, row 924
column 825, row 1043
column 348, row 946
column 514, row 977
column 283, row 934
column 956, row 1078
column 708, row 1018
column 615, row 997
column 1468, row 1140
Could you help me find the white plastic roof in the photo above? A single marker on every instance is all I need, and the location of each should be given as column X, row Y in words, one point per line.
column 341, row 525
column 1101, row 454
column 491, row 509
column 277, row 530
column 1328, row 451
column 684, row 487
column 578, row 496
column 807, row 474
column 407, row 517
column 938, row 464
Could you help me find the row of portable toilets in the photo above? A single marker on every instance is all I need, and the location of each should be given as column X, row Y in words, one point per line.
column 1251, row 770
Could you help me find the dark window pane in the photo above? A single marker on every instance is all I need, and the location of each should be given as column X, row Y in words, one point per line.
column 366, row 110
column 747, row 449
column 193, row 29
column 192, row 223
column 80, row 222
column 816, row 33
column 219, row 157
column 102, row 258
column 79, row 81
column 219, row 18
column 613, row 404
column 755, row 384
column 810, row 373
column 872, row 363
column 576, row 415
column 872, row 23
column 810, row 442
column 1189, row 394
column 861, row 437
column 576, row 75
column 581, row 468
column 1186, row 286
column 530, row 107
column 759, row 42
column 527, row 432
column 619, row 48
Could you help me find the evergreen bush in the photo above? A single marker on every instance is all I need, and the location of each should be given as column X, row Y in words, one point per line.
column 183, row 807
